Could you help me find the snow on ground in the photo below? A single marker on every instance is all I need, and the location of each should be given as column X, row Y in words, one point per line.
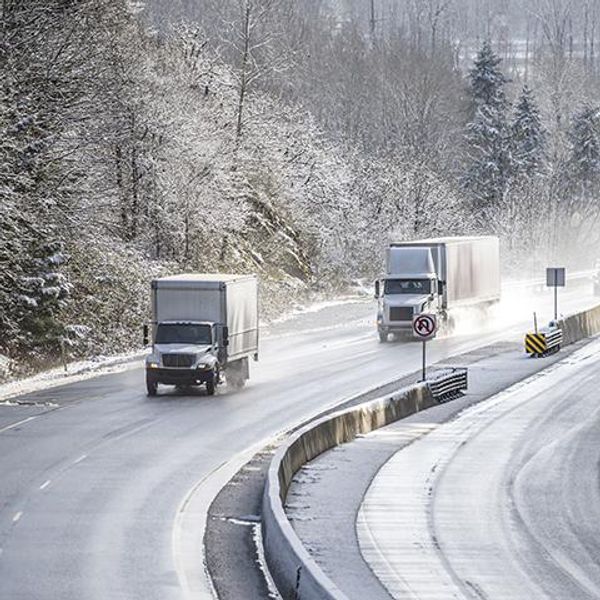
column 101, row 365
column 359, row 292
column 75, row 371
column 325, row 496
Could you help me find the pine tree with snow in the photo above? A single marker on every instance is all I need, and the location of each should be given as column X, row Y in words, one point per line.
column 489, row 162
column 42, row 291
column 528, row 137
column 584, row 141
column 487, row 80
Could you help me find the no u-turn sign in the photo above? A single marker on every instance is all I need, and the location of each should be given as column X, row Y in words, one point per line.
column 425, row 327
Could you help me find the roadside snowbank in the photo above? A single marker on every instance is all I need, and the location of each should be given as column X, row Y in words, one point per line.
column 76, row 371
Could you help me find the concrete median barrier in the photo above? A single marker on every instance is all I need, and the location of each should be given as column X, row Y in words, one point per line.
column 296, row 574
column 580, row 325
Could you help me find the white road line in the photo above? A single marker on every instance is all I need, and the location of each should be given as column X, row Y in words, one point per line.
column 45, row 485
column 17, row 517
column 82, row 457
column 9, row 427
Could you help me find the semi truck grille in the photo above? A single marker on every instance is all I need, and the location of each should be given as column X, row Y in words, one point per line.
column 401, row 313
column 178, row 360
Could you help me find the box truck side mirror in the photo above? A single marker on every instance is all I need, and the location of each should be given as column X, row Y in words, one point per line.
column 145, row 340
column 377, row 289
column 225, row 336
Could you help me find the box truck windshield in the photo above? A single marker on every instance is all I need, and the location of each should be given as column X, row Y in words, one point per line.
column 183, row 333
column 408, row 286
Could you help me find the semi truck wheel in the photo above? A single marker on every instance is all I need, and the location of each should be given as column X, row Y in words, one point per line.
column 151, row 387
column 383, row 336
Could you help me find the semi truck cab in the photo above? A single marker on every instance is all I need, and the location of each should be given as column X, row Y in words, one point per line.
column 436, row 276
column 410, row 288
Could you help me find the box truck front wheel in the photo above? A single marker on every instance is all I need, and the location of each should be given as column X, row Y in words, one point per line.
column 151, row 386
column 211, row 384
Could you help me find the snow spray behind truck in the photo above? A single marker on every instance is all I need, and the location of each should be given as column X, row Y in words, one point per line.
column 436, row 276
column 203, row 327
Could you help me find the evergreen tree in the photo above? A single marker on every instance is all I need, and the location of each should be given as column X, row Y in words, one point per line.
column 487, row 80
column 584, row 141
column 488, row 167
column 528, row 137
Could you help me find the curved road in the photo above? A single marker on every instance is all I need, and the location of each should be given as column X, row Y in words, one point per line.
column 93, row 474
column 501, row 503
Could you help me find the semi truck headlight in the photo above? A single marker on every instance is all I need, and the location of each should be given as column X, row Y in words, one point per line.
column 202, row 366
column 152, row 365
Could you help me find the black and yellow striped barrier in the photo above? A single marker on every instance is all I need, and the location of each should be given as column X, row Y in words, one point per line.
column 543, row 343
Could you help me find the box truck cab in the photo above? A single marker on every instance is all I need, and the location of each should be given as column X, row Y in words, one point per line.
column 204, row 330
column 436, row 276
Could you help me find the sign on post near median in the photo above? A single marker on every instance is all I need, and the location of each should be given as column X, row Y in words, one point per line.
column 555, row 278
column 425, row 327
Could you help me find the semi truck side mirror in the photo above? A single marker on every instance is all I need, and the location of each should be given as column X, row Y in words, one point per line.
column 377, row 286
column 225, row 336
column 440, row 289
column 145, row 340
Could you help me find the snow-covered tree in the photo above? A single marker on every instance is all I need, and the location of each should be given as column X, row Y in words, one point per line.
column 488, row 145
column 584, row 148
column 487, row 81
column 528, row 137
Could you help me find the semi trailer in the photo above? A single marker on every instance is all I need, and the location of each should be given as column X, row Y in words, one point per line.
column 436, row 276
column 204, row 331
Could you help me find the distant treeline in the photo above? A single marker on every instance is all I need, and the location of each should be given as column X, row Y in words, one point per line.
column 291, row 138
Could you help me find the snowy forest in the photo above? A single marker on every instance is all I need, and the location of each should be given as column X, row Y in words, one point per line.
column 291, row 138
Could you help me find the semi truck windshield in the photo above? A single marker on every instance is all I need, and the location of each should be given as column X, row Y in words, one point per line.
column 183, row 333
column 408, row 286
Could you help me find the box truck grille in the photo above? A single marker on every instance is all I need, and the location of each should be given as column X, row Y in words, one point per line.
column 401, row 313
column 178, row 360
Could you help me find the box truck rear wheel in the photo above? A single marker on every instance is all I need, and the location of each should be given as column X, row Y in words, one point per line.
column 237, row 373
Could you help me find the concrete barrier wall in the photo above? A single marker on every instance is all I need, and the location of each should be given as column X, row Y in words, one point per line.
column 580, row 325
column 295, row 573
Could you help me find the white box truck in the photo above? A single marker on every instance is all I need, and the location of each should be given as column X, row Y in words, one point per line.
column 436, row 276
column 203, row 327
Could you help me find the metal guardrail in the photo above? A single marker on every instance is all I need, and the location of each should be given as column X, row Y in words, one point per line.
column 449, row 385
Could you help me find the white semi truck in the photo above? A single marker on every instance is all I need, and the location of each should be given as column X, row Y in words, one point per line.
column 204, row 330
column 436, row 276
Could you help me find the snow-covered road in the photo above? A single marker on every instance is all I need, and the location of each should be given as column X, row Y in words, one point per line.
column 502, row 502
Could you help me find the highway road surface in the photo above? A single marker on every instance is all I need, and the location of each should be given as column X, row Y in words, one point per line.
column 96, row 478
column 503, row 502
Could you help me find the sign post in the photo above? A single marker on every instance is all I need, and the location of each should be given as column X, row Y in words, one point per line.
column 424, row 328
column 555, row 278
